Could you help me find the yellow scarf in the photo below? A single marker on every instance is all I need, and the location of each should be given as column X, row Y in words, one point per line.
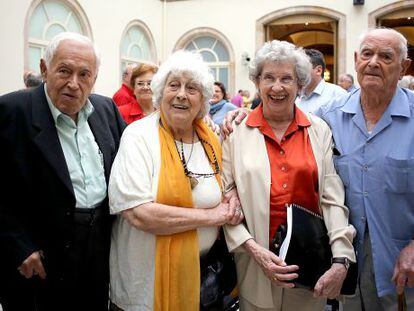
column 177, row 257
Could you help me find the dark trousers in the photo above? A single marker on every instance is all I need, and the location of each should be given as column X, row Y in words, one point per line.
column 79, row 281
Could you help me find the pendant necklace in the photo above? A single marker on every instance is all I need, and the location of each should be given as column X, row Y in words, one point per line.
column 193, row 180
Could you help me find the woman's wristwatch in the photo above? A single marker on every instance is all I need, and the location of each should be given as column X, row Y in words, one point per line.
column 342, row 260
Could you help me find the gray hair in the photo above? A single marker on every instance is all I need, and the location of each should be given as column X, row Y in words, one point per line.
column 282, row 51
column 185, row 62
column 350, row 77
column 33, row 79
column 53, row 45
column 407, row 82
column 403, row 49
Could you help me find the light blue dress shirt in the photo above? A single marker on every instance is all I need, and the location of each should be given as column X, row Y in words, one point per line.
column 218, row 111
column 83, row 157
column 323, row 94
column 377, row 170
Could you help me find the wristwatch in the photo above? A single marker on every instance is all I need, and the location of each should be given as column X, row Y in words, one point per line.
column 342, row 260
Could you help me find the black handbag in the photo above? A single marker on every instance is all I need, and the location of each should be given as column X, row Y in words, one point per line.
column 309, row 249
column 218, row 278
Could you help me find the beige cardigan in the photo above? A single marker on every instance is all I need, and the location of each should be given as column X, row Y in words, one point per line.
column 246, row 166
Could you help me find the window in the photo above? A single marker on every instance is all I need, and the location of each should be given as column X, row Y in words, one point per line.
column 215, row 54
column 137, row 46
column 48, row 19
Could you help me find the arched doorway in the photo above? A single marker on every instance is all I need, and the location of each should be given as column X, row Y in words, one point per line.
column 309, row 27
column 398, row 16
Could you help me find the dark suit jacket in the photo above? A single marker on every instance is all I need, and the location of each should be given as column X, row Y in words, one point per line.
column 37, row 201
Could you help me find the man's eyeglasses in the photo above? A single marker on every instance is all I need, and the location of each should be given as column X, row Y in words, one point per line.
column 142, row 84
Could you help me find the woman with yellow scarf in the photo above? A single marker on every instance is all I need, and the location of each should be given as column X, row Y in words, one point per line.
column 165, row 188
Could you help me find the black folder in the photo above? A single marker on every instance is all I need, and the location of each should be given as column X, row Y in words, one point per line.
column 304, row 242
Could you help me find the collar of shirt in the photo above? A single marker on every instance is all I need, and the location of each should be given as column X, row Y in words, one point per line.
column 257, row 119
column 83, row 115
column 317, row 90
column 399, row 106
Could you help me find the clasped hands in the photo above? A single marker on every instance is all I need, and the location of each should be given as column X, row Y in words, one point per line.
column 328, row 286
column 231, row 208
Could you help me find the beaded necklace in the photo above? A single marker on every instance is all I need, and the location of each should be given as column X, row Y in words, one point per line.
column 192, row 175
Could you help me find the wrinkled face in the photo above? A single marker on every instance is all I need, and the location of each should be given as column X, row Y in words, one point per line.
column 181, row 101
column 344, row 82
column 142, row 89
column 217, row 95
column 378, row 63
column 277, row 86
column 70, row 76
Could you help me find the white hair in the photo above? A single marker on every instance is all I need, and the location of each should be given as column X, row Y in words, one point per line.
column 282, row 51
column 185, row 62
column 407, row 82
column 402, row 46
column 53, row 45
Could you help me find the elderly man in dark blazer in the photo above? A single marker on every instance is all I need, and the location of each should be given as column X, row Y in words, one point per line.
column 57, row 145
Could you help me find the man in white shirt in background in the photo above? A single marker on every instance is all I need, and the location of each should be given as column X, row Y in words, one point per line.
column 318, row 92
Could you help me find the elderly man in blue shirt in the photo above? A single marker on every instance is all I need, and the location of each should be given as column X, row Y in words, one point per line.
column 373, row 129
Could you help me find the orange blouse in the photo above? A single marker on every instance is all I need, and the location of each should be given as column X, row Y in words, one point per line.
column 294, row 174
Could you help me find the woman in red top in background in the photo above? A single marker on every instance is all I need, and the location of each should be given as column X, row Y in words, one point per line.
column 140, row 82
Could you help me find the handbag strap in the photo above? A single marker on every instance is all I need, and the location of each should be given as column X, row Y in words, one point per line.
column 402, row 303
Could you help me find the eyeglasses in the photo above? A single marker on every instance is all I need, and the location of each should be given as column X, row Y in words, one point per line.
column 190, row 88
column 286, row 80
column 142, row 84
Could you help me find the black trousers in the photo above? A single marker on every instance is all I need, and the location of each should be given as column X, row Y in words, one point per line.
column 79, row 281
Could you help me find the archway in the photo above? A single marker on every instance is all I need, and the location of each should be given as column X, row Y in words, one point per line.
column 308, row 27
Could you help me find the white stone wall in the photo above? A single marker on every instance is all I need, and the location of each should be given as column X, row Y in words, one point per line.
column 168, row 22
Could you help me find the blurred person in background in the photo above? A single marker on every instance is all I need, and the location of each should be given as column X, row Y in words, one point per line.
column 237, row 99
column 246, row 99
column 256, row 101
column 346, row 81
column 407, row 82
column 141, row 78
column 318, row 92
column 219, row 105
column 32, row 79
column 125, row 95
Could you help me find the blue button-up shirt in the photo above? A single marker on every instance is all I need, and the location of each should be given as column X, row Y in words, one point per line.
column 377, row 170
